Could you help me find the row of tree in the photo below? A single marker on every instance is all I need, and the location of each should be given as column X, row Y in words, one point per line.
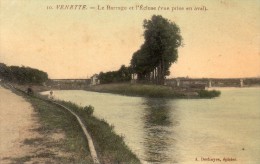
column 152, row 62
column 159, row 50
column 22, row 75
column 121, row 75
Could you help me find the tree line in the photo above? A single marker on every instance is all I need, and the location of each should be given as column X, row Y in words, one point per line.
column 152, row 62
column 121, row 75
column 159, row 50
column 22, row 75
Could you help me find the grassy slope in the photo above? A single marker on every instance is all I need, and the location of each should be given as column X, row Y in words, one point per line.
column 110, row 146
column 54, row 119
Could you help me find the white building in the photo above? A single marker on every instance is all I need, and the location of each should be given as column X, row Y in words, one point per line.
column 94, row 80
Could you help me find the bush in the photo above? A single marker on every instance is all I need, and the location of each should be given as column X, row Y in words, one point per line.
column 89, row 110
column 208, row 94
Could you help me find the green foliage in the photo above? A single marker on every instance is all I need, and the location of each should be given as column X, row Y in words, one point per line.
column 5, row 72
column 142, row 63
column 155, row 91
column 22, row 75
column 53, row 119
column 208, row 94
column 122, row 75
column 110, row 146
column 160, row 49
column 89, row 110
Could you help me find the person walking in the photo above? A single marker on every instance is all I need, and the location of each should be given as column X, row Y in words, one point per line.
column 51, row 94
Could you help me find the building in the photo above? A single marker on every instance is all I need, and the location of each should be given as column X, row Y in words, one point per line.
column 94, row 80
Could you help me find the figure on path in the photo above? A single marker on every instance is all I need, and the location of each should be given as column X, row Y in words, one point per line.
column 29, row 90
column 51, row 94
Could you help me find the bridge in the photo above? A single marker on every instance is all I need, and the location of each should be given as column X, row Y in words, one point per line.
column 213, row 82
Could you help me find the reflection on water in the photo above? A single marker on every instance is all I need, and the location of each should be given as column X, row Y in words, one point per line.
column 179, row 131
column 158, row 136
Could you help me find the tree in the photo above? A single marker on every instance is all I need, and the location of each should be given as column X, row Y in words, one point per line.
column 23, row 75
column 121, row 75
column 159, row 51
column 141, row 64
column 5, row 72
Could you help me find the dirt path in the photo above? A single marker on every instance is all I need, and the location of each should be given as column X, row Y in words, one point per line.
column 16, row 122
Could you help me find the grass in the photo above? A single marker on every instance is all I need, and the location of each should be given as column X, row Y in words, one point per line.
column 110, row 146
column 54, row 119
column 208, row 94
column 152, row 91
column 33, row 141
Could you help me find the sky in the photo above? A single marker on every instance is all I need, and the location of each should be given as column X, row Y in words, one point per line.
column 220, row 42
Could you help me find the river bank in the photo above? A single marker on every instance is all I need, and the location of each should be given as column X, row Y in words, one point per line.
column 140, row 90
column 153, row 91
column 35, row 131
column 109, row 146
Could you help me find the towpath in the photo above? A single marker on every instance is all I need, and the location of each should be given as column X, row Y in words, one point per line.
column 16, row 122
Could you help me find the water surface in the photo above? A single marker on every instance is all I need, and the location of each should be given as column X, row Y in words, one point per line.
column 183, row 130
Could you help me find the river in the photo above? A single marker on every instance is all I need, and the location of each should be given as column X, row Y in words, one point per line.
column 183, row 131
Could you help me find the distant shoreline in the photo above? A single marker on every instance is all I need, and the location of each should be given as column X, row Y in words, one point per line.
column 153, row 91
